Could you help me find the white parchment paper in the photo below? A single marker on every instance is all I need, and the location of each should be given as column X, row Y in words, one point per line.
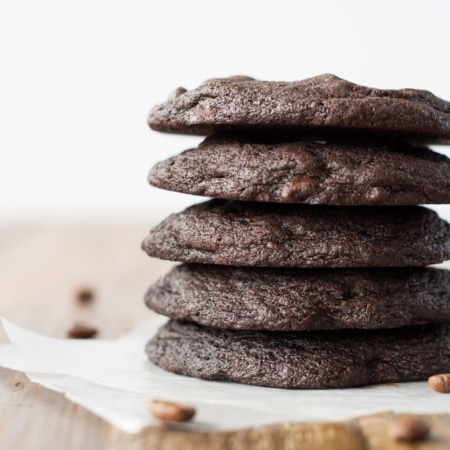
column 114, row 380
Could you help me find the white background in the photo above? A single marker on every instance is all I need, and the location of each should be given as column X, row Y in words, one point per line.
column 78, row 78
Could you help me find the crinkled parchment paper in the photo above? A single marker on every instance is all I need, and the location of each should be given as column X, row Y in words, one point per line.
column 115, row 380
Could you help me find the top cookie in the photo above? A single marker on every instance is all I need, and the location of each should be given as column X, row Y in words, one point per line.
column 321, row 105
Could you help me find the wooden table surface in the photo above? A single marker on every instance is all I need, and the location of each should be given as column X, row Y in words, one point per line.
column 42, row 269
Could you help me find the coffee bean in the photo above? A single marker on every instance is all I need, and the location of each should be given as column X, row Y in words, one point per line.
column 440, row 383
column 171, row 411
column 82, row 331
column 85, row 295
column 408, row 428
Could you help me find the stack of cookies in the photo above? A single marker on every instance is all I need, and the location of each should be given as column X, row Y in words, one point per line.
column 307, row 269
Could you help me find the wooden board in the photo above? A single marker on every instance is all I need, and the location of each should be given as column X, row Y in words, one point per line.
column 41, row 272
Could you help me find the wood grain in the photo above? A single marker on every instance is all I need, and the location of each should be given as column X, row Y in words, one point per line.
column 41, row 271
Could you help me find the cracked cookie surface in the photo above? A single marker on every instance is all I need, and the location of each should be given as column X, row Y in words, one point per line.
column 332, row 173
column 311, row 360
column 301, row 299
column 285, row 235
column 319, row 105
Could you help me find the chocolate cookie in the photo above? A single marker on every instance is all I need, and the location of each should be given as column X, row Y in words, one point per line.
column 323, row 104
column 316, row 359
column 302, row 299
column 276, row 235
column 332, row 173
